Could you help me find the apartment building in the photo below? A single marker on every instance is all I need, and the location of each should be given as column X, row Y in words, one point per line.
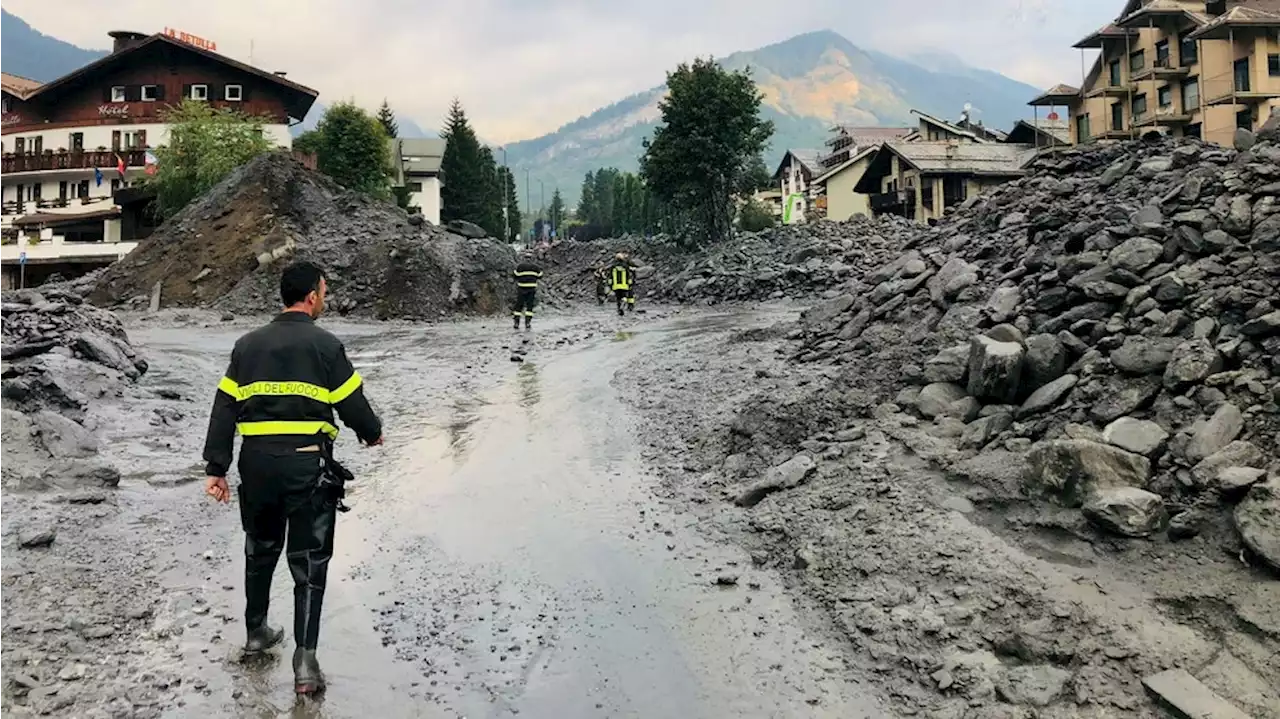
column 794, row 179
column 71, row 146
column 415, row 163
column 1185, row 67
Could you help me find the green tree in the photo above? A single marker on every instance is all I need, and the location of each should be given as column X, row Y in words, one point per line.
column 753, row 216
column 308, row 142
column 352, row 149
column 557, row 211
column 759, row 177
column 514, row 224
column 467, row 187
column 701, row 154
column 204, row 144
column 490, row 217
column 387, row 118
column 587, row 199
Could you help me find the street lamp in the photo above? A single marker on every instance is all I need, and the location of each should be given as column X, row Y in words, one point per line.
column 506, row 175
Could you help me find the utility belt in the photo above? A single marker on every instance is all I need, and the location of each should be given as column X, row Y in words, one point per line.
column 333, row 477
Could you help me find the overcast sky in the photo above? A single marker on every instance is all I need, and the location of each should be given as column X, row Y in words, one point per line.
column 524, row 67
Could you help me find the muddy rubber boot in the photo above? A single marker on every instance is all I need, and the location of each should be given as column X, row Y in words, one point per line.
column 517, row 322
column 307, row 677
column 528, row 323
column 262, row 638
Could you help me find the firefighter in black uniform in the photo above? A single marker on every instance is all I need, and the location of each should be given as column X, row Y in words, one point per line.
column 280, row 391
column 623, row 281
column 526, row 274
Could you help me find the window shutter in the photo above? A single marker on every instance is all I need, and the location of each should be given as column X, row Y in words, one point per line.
column 142, row 138
column 106, row 94
column 115, row 139
column 186, row 92
column 132, row 93
column 62, row 190
column 244, row 93
column 217, row 92
column 159, row 92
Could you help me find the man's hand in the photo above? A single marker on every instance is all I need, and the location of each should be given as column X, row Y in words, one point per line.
column 375, row 442
column 216, row 487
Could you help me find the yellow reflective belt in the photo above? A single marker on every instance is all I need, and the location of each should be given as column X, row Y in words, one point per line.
column 527, row 284
column 528, row 274
column 283, row 389
column 351, row 385
column 282, row 427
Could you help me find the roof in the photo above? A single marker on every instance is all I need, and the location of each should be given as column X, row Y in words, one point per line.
column 1254, row 14
column 303, row 98
column 809, row 159
column 871, row 135
column 1051, row 130
column 853, row 159
column 17, row 85
column 1191, row 9
column 1060, row 94
column 964, row 157
column 420, row 154
column 1110, row 31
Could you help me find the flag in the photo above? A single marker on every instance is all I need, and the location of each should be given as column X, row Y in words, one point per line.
column 97, row 176
column 120, row 164
column 151, row 163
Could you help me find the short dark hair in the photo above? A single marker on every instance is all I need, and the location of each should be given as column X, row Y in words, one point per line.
column 299, row 280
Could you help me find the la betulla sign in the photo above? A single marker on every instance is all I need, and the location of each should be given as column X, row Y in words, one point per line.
column 190, row 39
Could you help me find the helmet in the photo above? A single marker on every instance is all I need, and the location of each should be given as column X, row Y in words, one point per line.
column 620, row 256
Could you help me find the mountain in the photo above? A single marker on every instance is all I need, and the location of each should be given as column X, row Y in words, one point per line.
column 810, row 83
column 30, row 53
column 407, row 127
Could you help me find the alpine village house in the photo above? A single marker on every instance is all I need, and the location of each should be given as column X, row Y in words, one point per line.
column 74, row 148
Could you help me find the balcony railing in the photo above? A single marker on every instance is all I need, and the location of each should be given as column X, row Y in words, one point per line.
column 104, row 159
column 890, row 201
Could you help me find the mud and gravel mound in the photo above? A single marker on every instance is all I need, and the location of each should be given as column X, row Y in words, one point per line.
column 225, row 251
column 59, row 355
column 792, row 262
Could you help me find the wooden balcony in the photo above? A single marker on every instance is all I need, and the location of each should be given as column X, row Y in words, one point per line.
column 1242, row 97
column 1164, row 68
column 893, row 201
column 51, row 161
column 1109, row 91
column 1163, row 118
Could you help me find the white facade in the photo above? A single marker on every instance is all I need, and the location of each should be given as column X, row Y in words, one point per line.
column 99, row 137
column 795, row 201
column 424, row 193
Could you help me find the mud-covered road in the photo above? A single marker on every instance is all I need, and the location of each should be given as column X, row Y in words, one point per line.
column 507, row 553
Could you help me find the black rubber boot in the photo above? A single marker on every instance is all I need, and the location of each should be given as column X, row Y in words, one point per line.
column 263, row 638
column 517, row 321
column 307, row 677
column 528, row 323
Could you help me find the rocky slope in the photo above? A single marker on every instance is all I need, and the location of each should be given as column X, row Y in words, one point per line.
column 226, row 248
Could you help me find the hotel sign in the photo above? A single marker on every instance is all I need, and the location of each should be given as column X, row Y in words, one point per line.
column 113, row 110
column 12, row 119
column 190, row 39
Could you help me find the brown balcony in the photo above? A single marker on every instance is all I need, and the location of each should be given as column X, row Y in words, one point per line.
column 893, row 201
column 1109, row 91
column 1242, row 97
column 1164, row 68
column 48, row 161
column 1163, row 118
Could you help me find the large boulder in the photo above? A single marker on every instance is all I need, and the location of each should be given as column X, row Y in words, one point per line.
column 1224, row 426
column 1257, row 519
column 1135, row 254
column 1139, row 436
column 1046, row 360
column 63, row 438
column 1144, row 355
column 1237, row 454
column 979, row 432
column 995, row 369
column 1190, row 363
column 1071, row 470
column 1122, row 396
column 935, row 398
column 1048, row 396
column 82, row 474
column 787, row 475
column 1126, row 511
column 949, row 365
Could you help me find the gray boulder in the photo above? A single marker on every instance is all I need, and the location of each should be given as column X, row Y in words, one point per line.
column 467, row 229
column 1224, row 426
column 1122, row 396
column 82, row 474
column 1047, row 396
column 1235, row 481
column 106, row 351
column 63, row 438
column 1190, row 363
column 949, row 365
column 995, row 369
column 1071, row 470
column 1003, row 304
column 1257, row 519
column 935, row 398
column 827, row 311
column 980, row 432
column 1139, row 436
column 1237, row 454
column 1135, row 254
column 787, row 475
column 1144, row 355
column 1046, row 360
column 955, row 276
column 1268, row 324
column 1126, row 511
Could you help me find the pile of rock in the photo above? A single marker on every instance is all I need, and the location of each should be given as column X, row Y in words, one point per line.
column 1119, row 308
column 59, row 355
column 226, row 248
column 791, row 262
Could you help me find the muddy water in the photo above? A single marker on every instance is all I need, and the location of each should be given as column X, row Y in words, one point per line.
column 506, row 555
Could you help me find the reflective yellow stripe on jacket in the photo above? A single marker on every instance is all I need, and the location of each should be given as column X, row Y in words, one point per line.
column 291, row 389
column 528, row 278
column 277, row 427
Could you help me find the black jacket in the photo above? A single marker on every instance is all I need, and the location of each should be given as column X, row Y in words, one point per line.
column 527, row 275
column 622, row 275
column 284, row 381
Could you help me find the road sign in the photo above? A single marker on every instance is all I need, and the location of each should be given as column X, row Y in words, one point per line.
column 22, row 258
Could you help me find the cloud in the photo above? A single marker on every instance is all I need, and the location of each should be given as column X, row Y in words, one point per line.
column 523, row 67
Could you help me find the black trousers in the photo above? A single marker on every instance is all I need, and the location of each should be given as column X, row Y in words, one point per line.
column 627, row 297
column 526, row 298
column 280, row 508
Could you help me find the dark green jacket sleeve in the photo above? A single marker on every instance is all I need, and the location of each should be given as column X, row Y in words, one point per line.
column 219, row 442
column 346, row 392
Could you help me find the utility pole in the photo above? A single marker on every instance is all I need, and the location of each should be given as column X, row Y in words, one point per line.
column 528, row 204
column 506, row 203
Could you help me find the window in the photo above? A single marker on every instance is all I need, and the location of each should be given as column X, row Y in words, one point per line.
column 62, row 190
column 115, row 139
column 1113, row 73
column 1189, row 51
column 1193, row 130
column 954, row 190
column 35, row 191
column 1139, row 108
column 4, row 103
column 926, row 194
column 117, row 93
column 1162, row 53
column 1164, row 96
column 233, row 93
column 1244, row 119
column 77, row 142
column 135, row 140
column 37, row 145
column 415, row 187
column 1082, row 128
column 1191, row 94
column 199, row 92
column 149, row 93
column 1273, row 65
column 1137, row 60
column 1241, row 69
column 19, row 145
column 1117, row 116
column 84, row 189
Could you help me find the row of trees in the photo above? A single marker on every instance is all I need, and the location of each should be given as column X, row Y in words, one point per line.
column 612, row 203
column 477, row 188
